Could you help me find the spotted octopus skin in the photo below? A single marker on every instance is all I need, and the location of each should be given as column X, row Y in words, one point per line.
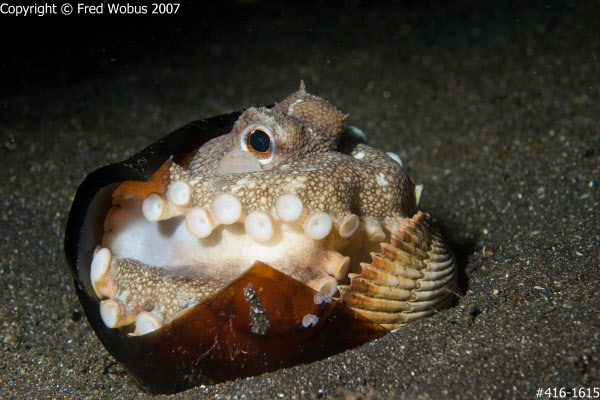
column 367, row 183
column 364, row 193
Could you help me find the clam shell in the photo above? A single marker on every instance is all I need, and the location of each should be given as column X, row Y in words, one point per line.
column 412, row 277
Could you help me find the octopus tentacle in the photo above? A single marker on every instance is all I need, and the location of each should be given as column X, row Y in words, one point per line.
column 129, row 287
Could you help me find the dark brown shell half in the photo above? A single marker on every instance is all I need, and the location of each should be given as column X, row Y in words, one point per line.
column 254, row 325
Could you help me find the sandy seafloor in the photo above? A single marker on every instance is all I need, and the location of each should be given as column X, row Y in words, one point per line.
column 495, row 109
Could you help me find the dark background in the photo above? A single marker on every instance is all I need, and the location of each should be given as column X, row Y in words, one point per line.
column 493, row 107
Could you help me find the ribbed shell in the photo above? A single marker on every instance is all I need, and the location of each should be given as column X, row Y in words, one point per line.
column 412, row 277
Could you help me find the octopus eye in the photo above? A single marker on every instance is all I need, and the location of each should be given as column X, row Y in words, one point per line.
column 258, row 140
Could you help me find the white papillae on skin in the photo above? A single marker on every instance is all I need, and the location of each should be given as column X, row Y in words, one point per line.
column 259, row 225
column 289, row 207
column 181, row 193
column 153, row 207
column 224, row 210
column 227, row 208
column 199, row 223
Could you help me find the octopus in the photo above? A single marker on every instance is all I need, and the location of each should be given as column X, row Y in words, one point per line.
column 288, row 186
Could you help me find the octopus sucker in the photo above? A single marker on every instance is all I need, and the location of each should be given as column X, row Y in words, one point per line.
column 227, row 208
column 375, row 233
column 318, row 225
column 146, row 322
column 99, row 274
column 114, row 314
column 282, row 225
column 200, row 222
column 289, row 207
column 259, row 226
column 181, row 193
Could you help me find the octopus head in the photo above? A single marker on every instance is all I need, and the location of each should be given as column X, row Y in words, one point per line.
column 300, row 126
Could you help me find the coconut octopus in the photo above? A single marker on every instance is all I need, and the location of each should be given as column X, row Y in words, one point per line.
column 290, row 187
